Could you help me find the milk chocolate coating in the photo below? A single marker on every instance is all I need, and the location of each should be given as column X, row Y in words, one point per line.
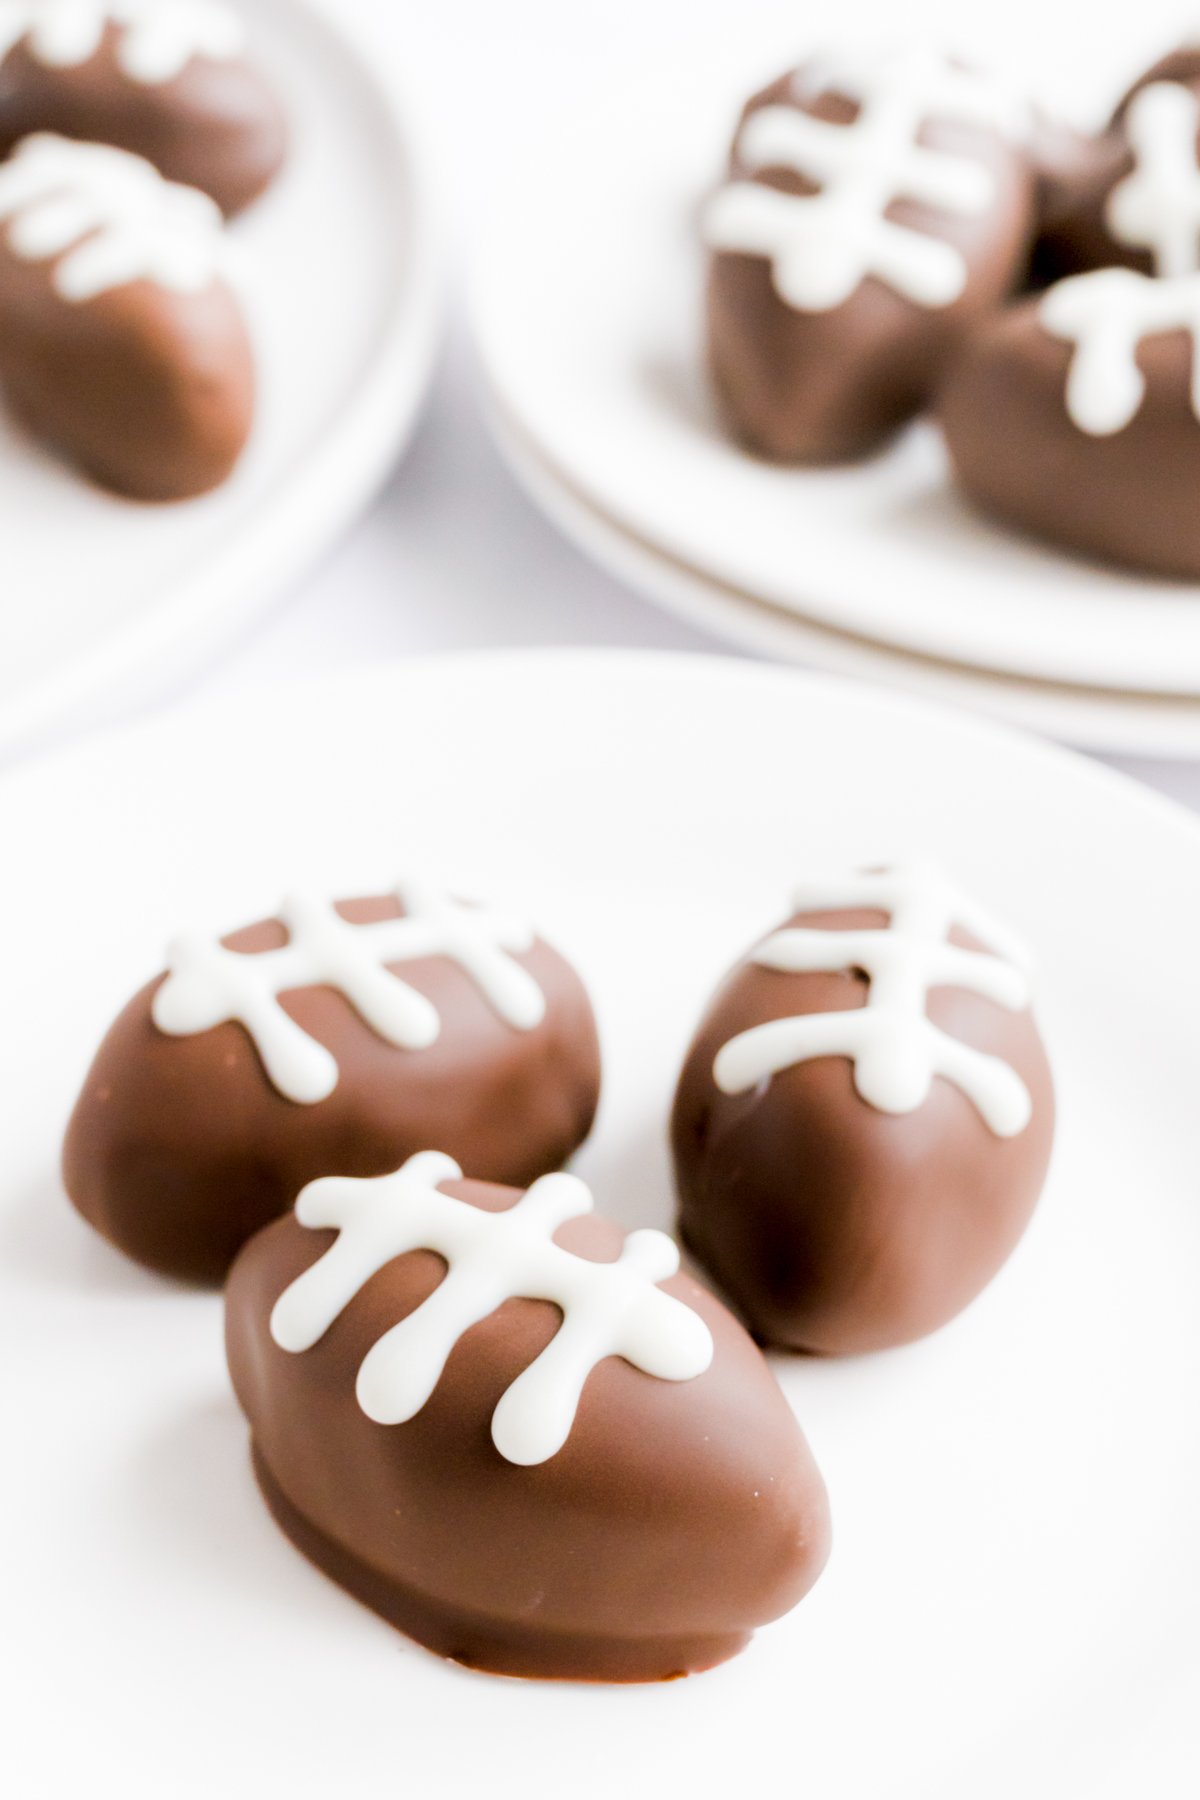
column 676, row 1518
column 1074, row 173
column 823, row 387
column 148, row 391
column 180, row 1148
column 1074, row 234
column 1128, row 498
column 1181, row 65
column 218, row 126
column 835, row 1227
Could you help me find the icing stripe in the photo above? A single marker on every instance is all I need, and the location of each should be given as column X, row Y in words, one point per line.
column 156, row 38
column 1157, row 206
column 105, row 218
column 208, row 985
column 822, row 246
column 608, row 1309
column 1106, row 315
column 895, row 1048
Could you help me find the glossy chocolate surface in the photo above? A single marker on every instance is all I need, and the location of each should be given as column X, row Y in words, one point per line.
column 835, row 1227
column 217, row 126
column 149, row 392
column 677, row 1517
column 180, row 1148
column 1127, row 498
column 830, row 386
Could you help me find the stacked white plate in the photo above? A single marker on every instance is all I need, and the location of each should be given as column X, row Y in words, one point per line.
column 587, row 310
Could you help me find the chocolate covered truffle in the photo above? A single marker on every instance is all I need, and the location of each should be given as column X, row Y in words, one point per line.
column 333, row 1039
column 1075, row 417
column 1181, row 64
column 167, row 79
column 517, row 1433
column 1132, row 198
column 864, row 1118
column 122, row 347
column 875, row 209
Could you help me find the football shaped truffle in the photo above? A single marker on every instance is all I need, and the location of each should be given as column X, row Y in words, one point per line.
column 864, row 1118
column 121, row 346
column 517, row 1433
column 1132, row 197
column 167, row 79
column 1075, row 417
column 874, row 210
column 1182, row 64
column 334, row 1039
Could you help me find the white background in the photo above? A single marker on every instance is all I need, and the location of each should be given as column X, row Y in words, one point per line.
column 453, row 555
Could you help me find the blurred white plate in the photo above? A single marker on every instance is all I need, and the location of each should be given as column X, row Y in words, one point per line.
column 1014, row 1499
column 103, row 601
column 1158, row 725
column 587, row 300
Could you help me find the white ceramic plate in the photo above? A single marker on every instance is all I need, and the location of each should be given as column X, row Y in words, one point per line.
column 1158, row 725
column 103, row 600
column 1014, row 1499
column 587, row 300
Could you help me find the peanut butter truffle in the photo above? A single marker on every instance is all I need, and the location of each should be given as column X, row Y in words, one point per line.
column 169, row 80
column 333, row 1039
column 1075, row 419
column 123, row 348
column 876, row 207
column 864, row 1119
column 1131, row 199
column 517, row 1433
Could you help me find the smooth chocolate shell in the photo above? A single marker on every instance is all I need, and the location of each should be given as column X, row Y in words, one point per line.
column 148, row 391
column 835, row 1227
column 1074, row 235
column 1128, row 498
column 821, row 387
column 217, row 126
column 1182, row 65
column 1075, row 175
column 677, row 1517
column 1079, row 176
column 179, row 1148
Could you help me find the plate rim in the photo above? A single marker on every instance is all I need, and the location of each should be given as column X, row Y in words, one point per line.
column 295, row 692
column 1091, row 719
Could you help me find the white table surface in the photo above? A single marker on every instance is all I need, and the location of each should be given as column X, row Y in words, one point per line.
column 453, row 556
